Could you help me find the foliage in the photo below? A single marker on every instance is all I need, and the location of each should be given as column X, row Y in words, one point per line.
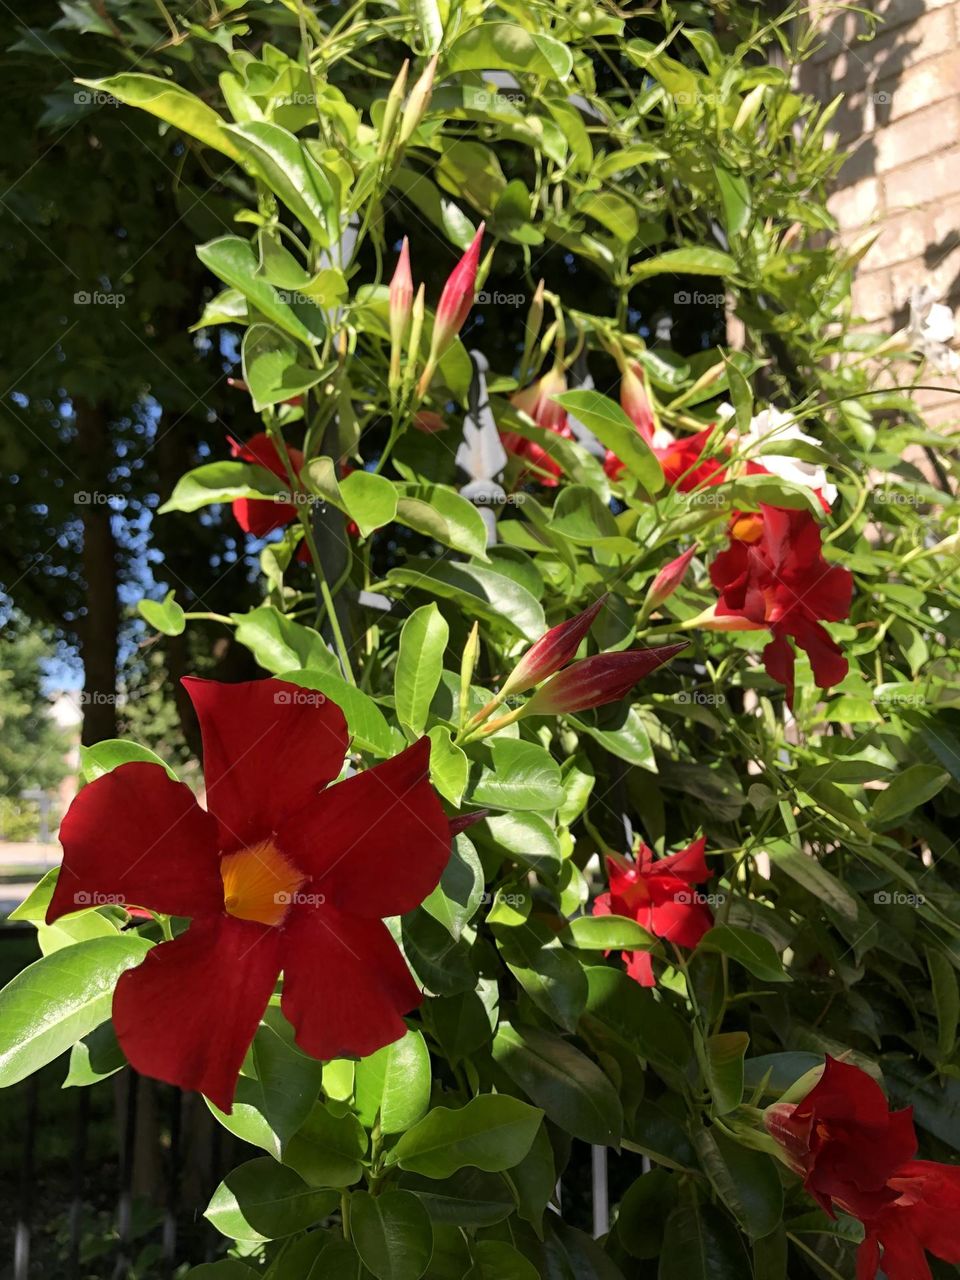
column 615, row 156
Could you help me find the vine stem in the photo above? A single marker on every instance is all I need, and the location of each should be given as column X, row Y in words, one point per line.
column 279, row 444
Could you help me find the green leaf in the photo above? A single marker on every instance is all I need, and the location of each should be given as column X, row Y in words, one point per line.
column 280, row 644
column 430, row 22
column 455, row 900
column 913, row 787
column 60, row 998
column 440, row 513
column 223, row 482
column 394, row 1083
column 530, row 838
column 756, row 953
column 423, row 643
column 701, row 1243
column 551, row 975
column 292, row 174
column 535, row 1180
column 492, row 1132
column 723, row 1067
column 370, row 500
column 686, row 262
column 481, row 592
column 392, row 1234
column 263, row 1200
column 169, row 102
column 814, row 877
column 232, row 260
column 746, row 1180
column 645, row 1206
column 750, row 491
column 614, row 429
column 368, row 727
column 34, row 906
column 497, row 1260
column 570, row 1088
column 328, row 1149
column 272, row 368
column 946, row 1000
column 449, row 767
column 104, row 756
column 508, row 47
column 524, row 776
column 165, row 615
column 442, row 964
column 623, row 1013
column 735, row 195
column 610, row 933
column 94, row 1058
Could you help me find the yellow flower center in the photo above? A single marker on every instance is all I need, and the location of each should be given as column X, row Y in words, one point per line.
column 259, row 883
column 748, row 528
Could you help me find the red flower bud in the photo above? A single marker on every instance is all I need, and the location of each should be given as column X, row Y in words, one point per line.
column 401, row 296
column 552, row 651
column 607, row 677
column 457, row 298
column 669, row 578
column 635, row 402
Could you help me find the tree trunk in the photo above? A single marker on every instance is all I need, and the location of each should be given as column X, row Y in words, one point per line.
column 98, row 629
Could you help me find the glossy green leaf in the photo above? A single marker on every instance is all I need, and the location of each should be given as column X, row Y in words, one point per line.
column 908, row 791
column 610, row 933
column 497, row 1260
column 164, row 615
column 423, row 645
column 328, row 1148
column 506, row 46
column 394, row 1084
column 280, row 644
column 616, row 432
column 367, row 725
column 392, row 1234
column 60, row 998
column 232, row 260
column 530, row 838
column 292, row 173
column 701, row 1243
column 272, row 367
column 687, row 262
column 263, row 1200
column 492, row 1132
column 568, row 1086
column 440, row 513
column 172, row 104
column 524, row 776
column 756, row 953
column 550, row 974
column 480, row 591
column 723, row 1055
column 223, row 482
column 455, row 900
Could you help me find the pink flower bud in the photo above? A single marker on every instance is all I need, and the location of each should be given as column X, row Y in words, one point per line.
column 592, row 682
column 401, row 296
column 634, row 400
column 553, row 650
column 456, row 299
column 669, row 578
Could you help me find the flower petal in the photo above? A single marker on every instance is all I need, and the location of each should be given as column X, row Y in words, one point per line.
column 345, row 983
column 136, row 836
column 376, row 844
column 268, row 749
column 188, row 1014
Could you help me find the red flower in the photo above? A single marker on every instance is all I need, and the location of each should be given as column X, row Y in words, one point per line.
column 856, row 1155
column 659, row 895
column 595, row 681
column 280, row 872
column 924, row 1217
column 261, row 516
column 844, row 1140
column 536, row 401
column 774, row 575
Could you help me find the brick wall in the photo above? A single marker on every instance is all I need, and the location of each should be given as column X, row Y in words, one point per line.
column 900, row 121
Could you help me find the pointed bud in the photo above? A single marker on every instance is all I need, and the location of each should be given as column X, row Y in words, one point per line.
column 634, row 400
column 454, row 306
column 552, row 651
column 710, row 620
column 668, row 579
column 593, row 682
column 532, row 329
column 392, row 109
column 401, row 304
column 416, row 329
column 418, row 102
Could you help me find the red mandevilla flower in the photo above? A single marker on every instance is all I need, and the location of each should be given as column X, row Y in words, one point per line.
column 457, row 298
column 261, row 516
column 553, row 650
column 593, row 682
column 774, row 575
column 279, row 873
column 537, row 402
column 856, row 1155
column 659, row 895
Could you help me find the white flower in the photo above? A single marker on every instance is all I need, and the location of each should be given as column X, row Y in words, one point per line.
column 774, row 425
column 932, row 330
